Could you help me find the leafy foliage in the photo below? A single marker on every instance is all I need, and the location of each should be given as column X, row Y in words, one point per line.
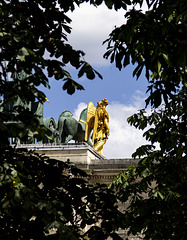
column 43, row 198
column 155, row 41
column 34, row 41
column 39, row 196
column 163, row 54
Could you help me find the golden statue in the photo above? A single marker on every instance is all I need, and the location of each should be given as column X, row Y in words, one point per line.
column 98, row 121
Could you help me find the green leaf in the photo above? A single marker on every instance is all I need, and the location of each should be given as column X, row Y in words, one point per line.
column 159, row 67
column 17, row 196
column 87, row 69
column 145, row 173
column 70, row 85
column 22, row 53
column 160, row 195
column 165, row 58
column 99, row 75
column 109, row 3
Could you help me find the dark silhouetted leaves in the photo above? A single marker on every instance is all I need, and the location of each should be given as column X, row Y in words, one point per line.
column 70, row 85
column 41, row 196
column 156, row 189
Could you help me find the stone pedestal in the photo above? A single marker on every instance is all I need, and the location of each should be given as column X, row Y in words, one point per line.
column 79, row 153
column 98, row 168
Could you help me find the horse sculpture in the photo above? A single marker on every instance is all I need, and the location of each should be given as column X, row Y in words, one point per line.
column 71, row 129
column 52, row 133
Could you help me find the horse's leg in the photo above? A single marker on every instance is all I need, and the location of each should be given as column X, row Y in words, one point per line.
column 70, row 129
column 68, row 138
column 90, row 142
column 59, row 137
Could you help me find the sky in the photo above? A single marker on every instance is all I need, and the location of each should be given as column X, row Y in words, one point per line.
column 90, row 27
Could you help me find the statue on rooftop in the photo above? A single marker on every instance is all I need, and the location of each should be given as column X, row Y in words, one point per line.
column 71, row 129
column 13, row 106
column 92, row 127
column 52, row 133
column 98, row 121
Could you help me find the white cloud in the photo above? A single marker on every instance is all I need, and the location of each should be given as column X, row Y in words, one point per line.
column 90, row 27
column 123, row 139
column 78, row 110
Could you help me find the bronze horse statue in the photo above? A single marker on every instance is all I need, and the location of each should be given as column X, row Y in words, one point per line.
column 71, row 129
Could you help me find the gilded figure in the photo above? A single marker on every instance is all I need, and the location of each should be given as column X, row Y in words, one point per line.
column 98, row 121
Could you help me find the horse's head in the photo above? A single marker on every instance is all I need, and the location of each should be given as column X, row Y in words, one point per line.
column 66, row 113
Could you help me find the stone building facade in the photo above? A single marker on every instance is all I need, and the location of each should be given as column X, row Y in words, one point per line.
column 98, row 168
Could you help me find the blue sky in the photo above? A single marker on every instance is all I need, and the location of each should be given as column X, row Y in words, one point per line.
column 90, row 27
column 116, row 86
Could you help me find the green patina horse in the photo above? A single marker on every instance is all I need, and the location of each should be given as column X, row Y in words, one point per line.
column 52, row 133
column 71, row 129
